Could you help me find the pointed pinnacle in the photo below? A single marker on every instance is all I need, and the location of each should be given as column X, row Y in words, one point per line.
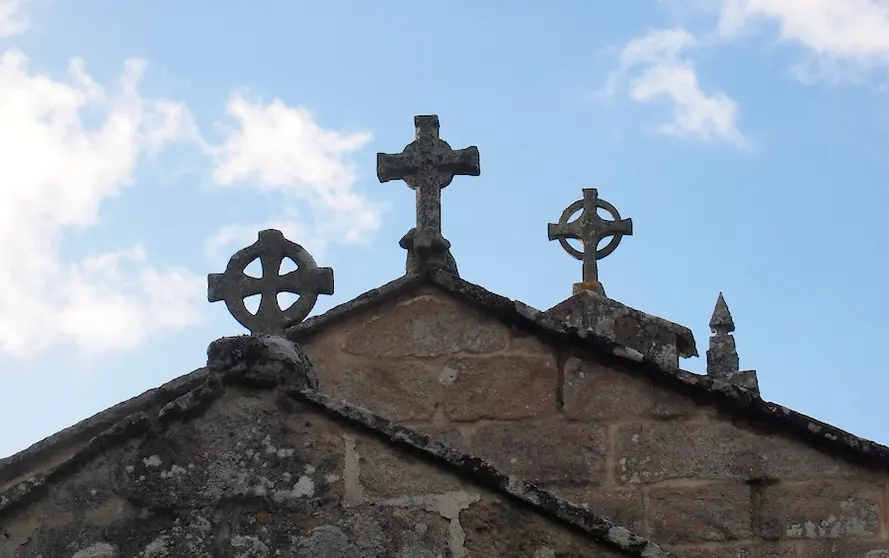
column 721, row 321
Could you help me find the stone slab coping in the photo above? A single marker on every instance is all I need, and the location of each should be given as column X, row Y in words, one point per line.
column 685, row 339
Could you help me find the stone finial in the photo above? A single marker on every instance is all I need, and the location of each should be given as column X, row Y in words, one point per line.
column 307, row 281
column 721, row 321
column 428, row 165
column 722, row 357
column 589, row 228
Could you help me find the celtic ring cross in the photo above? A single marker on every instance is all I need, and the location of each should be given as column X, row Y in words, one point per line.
column 589, row 228
column 307, row 281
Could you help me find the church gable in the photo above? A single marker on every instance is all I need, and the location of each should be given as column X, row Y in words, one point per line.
column 585, row 400
column 654, row 450
column 255, row 463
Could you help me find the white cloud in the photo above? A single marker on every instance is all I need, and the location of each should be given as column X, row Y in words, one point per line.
column 843, row 37
column 13, row 19
column 281, row 148
column 54, row 174
column 845, row 28
column 657, row 67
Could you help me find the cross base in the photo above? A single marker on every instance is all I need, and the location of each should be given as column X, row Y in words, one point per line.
column 427, row 251
column 588, row 286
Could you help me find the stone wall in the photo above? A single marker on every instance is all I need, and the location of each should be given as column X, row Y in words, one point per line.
column 656, row 461
column 262, row 475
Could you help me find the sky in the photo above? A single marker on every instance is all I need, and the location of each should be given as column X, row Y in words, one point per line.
column 143, row 143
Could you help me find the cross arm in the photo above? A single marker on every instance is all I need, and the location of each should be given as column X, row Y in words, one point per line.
column 307, row 282
column 395, row 166
column 462, row 161
column 219, row 285
column 623, row 226
column 319, row 280
column 554, row 231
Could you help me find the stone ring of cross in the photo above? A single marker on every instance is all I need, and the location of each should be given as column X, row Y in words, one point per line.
column 578, row 206
column 271, row 248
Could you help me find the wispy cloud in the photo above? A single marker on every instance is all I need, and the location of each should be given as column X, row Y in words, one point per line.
column 278, row 147
column 656, row 66
column 13, row 17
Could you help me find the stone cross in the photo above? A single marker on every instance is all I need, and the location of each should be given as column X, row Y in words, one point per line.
column 427, row 165
column 589, row 228
column 307, row 281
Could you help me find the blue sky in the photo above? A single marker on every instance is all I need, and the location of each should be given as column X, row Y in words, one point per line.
column 144, row 142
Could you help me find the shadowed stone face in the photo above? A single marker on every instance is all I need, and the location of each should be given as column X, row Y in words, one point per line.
column 251, row 479
column 254, row 463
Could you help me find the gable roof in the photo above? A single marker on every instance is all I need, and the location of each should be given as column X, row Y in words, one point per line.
column 586, row 344
column 246, row 352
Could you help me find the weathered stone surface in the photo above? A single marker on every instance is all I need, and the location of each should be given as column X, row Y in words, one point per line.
column 660, row 451
column 535, row 451
column 722, row 356
column 188, row 482
column 487, row 476
column 485, row 305
column 261, row 360
column 486, row 523
column 715, row 512
column 624, row 506
column 721, row 321
column 254, row 477
column 426, row 326
column 845, row 547
column 716, row 450
column 783, row 458
column 402, row 390
column 499, row 387
column 451, row 437
column 739, row 550
column 662, row 341
column 595, row 392
column 827, row 509
column 385, row 473
column 522, row 343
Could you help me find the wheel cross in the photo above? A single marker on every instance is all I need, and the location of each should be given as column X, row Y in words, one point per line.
column 589, row 229
column 307, row 281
